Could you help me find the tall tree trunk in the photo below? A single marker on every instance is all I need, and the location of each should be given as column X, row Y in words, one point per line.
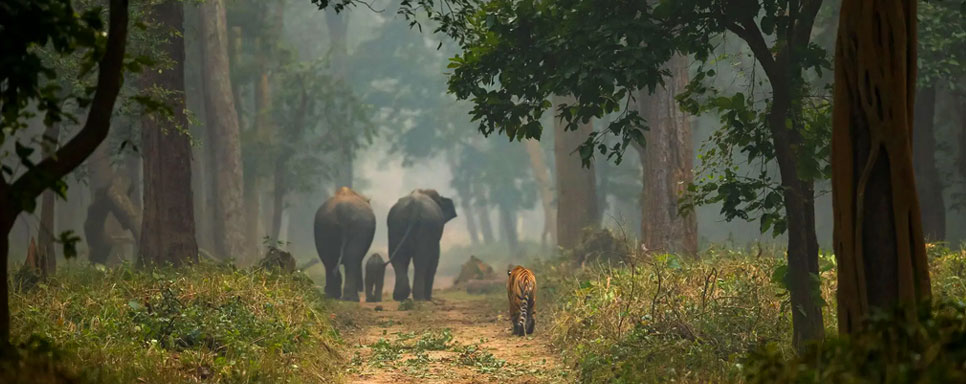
column 222, row 121
column 545, row 188
column 483, row 212
column 878, row 235
column 278, row 201
column 508, row 224
column 470, row 218
column 109, row 198
column 928, row 184
column 783, row 68
column 168, row 226
column 99, row 179
column 576, row 185
column 337, row 24
column 961, row 161
column 48, row 255
column 6, row 224
column 667, row 163
column 201, row 155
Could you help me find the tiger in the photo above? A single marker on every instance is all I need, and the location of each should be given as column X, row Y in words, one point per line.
column 521, row 290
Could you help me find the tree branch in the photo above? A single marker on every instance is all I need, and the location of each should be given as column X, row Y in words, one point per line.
column 751, row 34
column 806, row 20
column 109, row 78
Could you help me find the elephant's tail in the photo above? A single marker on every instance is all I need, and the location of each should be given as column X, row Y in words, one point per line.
column 335, row 271
column 409, row 228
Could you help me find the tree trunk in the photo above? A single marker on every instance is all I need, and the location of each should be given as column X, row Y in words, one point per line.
column 878, row 234
column 928, row 184
column 194, row 98
column 337, row 25
column 99, row 178
column 486, row 227
column 168, row 226
column 545, row 188
column 508, row 223
column 961, row 161
column 470, row 218
column 667, row 163
column 278, row 201
column 47, row 233
column 576, row 185
column 5, row 225
column 222, row 121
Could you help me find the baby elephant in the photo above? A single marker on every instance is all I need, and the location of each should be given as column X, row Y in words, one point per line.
column 375, row 276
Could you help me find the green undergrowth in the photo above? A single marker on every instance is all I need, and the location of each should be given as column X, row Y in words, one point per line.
column 206, row 323
column 655, row 318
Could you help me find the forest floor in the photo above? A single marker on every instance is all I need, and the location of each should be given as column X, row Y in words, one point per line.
column 456, row 338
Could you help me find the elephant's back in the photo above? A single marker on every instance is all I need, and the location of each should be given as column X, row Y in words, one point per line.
column 415, row 208
column 344, row 209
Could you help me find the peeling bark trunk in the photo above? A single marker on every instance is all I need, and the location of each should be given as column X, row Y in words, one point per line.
column 878, row 235
column 168, row 231
column 545, row 188
column 667, row 163
column 928, row 184
column 576, row 185
column 222, row 121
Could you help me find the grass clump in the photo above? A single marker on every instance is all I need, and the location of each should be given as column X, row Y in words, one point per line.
column 209, row 323
column 654, row 317
column 660, row 318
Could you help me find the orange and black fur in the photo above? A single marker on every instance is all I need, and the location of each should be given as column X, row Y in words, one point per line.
column 521, row 290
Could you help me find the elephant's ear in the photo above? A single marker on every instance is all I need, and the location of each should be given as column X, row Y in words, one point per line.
column 448, row 208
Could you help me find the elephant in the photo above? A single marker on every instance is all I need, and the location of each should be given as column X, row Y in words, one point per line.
column 375, row 277
column 344, row 228
column 415, row 228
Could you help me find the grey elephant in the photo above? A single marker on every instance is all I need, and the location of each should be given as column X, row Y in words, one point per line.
column 415, row 229
column 344, row 227
column 375, row 277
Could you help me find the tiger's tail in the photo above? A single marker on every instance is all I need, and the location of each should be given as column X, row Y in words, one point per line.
column 526, row 297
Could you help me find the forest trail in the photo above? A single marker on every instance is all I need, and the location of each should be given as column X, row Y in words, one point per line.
column 456, row 338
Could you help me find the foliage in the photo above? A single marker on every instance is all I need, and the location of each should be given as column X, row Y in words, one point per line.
column 660, row 318
column 27, row 78
column 212, row 323
column 942, row 44
column 890, row 350
column 320, row 121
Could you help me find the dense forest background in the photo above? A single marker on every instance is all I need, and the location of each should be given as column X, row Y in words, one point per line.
column 403, row 131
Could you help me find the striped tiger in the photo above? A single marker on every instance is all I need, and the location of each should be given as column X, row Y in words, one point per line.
column 521, row 290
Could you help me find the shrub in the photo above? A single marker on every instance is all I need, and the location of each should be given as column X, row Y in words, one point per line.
column 889, row 350
column 211, row 323
column 663, row 319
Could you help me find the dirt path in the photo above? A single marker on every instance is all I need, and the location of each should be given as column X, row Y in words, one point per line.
column 456, row 338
